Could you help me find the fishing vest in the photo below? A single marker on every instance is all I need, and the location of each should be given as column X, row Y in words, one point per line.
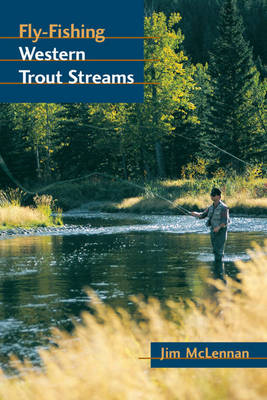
column 214, row 214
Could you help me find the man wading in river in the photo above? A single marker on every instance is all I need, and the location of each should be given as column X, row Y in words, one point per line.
column 218, row 218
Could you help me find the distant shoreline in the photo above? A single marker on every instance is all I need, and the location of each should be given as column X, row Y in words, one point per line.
column 146, row 207
column 243, row 196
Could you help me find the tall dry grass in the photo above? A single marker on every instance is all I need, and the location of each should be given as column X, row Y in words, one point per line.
column 12, row 214
column 22, row 216
column 238, row 202
column 101, row 360
column 241, row 194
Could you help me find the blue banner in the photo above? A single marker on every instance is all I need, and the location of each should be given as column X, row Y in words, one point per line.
column 208, row 355
column 84, row 51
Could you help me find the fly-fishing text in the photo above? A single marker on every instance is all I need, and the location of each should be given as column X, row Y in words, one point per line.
column 57, row 31
column 61, row 76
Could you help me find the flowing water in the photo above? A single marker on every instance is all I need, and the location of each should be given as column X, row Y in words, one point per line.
column 42, row 277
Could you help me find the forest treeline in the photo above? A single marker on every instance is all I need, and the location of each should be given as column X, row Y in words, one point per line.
column 208, row 111
column 199, row 24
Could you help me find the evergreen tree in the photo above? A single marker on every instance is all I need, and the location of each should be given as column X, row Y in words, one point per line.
column 199, row 24
column 254, row 13
column 200, row 133
column 234, row 80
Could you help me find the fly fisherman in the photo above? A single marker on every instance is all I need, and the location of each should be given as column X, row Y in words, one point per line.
column 218, row 219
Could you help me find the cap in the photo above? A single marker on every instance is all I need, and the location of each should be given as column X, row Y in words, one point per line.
column 215, row 192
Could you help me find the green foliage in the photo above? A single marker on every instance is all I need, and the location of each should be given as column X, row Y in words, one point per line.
column 172, row 70
column 237, row 96
column 254, row 171
column 35, row 125
column 195, row 169
column 200, row 19
column 45, row 204
column 172, row 96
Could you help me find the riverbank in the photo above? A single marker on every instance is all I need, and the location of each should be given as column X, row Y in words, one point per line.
column 142, row 206
column 8, row 233
column 13, row 215
column 243, row 196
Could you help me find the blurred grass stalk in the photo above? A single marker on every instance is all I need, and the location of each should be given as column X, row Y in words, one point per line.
column 101, row 360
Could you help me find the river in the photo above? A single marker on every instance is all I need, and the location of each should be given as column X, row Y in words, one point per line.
column 42, row 277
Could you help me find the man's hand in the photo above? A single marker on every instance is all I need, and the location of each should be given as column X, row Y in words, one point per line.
column 195, row 214
column 216, row 229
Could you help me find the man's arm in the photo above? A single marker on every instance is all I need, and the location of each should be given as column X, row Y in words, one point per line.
column 200, row 215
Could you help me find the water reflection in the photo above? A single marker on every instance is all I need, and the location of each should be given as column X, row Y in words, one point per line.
column 42, row 279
